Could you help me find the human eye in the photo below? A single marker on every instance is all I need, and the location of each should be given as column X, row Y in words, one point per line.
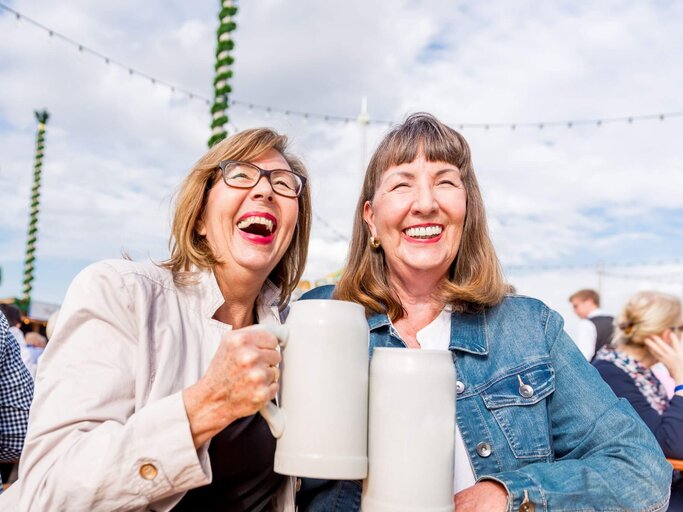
column 240, row 173
column 447, row 183
column 399, row 185
column 284, row 180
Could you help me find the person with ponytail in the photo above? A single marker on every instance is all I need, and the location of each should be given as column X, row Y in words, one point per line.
column 650, row 330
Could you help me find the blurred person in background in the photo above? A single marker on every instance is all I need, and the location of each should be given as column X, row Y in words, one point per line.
column 595, row 328
column 650, row 330
column 148, row 391
column 13, row 315
column 16, row 393
column 35, row 344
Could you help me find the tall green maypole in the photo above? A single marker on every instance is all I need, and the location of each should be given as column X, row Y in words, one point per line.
column 42, row 118
column 219, row 110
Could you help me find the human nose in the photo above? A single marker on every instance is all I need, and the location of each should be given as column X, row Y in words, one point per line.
column 263, row 189
column 425, row 200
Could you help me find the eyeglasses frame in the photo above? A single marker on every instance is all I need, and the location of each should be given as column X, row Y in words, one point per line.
column 262, row 172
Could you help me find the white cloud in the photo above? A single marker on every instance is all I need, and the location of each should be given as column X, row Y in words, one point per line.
column 117, row 146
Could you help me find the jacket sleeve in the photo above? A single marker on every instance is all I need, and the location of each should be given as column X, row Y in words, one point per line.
column 604, row 453
column 89, row 445
column 667, row 427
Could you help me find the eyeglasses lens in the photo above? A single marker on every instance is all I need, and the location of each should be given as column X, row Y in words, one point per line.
column 283, row 182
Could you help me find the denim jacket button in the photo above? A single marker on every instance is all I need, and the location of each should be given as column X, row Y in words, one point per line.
column 526, row 391
column 459, row 387
column 484, row 450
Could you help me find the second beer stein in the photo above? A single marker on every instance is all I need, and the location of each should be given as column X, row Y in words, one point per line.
column 411, row 431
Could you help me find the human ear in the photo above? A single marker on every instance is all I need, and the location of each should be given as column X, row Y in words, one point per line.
column 200, row 227
column 369, row 217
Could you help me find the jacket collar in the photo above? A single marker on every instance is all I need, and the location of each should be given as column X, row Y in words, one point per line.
column 211, row 297
column 468, row 331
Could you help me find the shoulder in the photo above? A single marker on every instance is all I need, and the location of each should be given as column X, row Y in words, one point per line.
column 525, row 317
column 617, row 378
column 520, row 309
column 321, row 292
column 118, row 272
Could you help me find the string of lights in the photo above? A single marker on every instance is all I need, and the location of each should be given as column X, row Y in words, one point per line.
column 337, row 234
column 668, row 277
column 600, row 266
column 268, row 109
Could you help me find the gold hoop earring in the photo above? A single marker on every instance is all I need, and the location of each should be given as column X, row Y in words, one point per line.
column 374, row 242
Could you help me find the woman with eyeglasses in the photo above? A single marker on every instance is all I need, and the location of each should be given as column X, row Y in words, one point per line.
column 147, row 396
column 650, row 330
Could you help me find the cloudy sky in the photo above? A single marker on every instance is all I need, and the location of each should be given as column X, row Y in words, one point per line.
column 560, row 199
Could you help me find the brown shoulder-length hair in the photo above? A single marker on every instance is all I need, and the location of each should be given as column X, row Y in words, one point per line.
column 190, row 249
column 476, row 280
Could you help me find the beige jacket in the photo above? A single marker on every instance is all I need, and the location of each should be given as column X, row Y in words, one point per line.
column 107, row 428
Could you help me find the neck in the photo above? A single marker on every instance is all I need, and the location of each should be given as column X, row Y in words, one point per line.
column 416, row 289
column 640, row 354
column 240, row 289
column 417, row 298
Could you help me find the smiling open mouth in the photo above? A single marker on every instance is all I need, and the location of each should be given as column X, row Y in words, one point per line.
column 423, row 232
column 255, row 225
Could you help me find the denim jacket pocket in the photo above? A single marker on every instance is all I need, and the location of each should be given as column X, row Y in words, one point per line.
column 518, row 403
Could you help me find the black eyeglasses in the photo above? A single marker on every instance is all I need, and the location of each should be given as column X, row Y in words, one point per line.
column 247, row 175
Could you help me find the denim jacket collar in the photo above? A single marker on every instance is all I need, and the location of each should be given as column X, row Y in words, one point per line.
column 468, row 331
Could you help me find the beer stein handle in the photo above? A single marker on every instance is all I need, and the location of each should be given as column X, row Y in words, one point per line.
column 274, row 416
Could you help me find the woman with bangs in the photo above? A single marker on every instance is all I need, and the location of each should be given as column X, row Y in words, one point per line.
column 148, row 392
column 535, row 422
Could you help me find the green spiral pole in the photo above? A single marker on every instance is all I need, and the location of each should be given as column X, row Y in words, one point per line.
column 219, row 110
column 42, row 118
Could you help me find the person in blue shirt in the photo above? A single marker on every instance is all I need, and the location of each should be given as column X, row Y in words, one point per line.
column 650, row 330
column 16, row 393
column 537, row 428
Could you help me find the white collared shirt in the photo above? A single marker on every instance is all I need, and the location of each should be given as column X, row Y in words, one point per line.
column 587, row 334
column 437, row 336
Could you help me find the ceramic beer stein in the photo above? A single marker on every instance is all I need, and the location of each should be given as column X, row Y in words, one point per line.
column 321, row 424
column 411, row 431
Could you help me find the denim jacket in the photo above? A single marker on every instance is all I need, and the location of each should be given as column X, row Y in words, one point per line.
column 568, row 444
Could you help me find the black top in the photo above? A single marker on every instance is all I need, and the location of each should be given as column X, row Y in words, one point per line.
column 667, row 428
column 604, row 326
column 242, row 465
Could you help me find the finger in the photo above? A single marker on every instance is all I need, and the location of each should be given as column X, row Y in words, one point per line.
column 655, row 347
column 260, row 397
column 279, row 332
column 273, row 390
column 270, row 357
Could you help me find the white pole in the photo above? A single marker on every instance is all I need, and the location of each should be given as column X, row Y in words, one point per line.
column 600, row 271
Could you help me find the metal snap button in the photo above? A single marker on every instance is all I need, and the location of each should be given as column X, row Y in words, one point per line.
column 459, row 387
column 484, row 450
column 526, row 391
column 148, row 471
column 527, row 505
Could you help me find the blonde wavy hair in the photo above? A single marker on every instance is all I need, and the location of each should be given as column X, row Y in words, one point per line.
column 476, row 280
column 646, row 314
column 189, row 249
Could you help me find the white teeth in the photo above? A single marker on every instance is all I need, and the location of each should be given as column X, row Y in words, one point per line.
column 424, row 232
column 255, row 220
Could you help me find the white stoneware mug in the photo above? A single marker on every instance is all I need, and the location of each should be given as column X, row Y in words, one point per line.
column 321, row 424
column 411, row 431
